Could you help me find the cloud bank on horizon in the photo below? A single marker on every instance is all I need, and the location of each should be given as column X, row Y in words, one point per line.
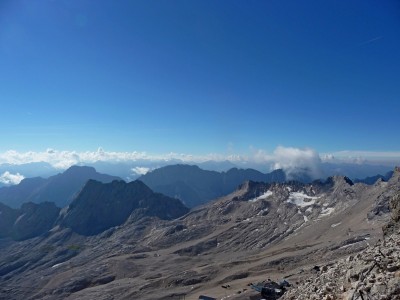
column 290, row 159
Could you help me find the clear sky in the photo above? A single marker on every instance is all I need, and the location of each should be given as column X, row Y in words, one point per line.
column 199, row 76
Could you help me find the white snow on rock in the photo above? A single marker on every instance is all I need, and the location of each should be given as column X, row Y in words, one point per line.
column 301, row 199
column 337, row 224
column 19, row 219
column 57, row 265
column 262, row 211
column 326, row 211
column 262, row 197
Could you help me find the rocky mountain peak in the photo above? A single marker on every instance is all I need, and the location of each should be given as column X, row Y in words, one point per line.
column 396, row 176
column 79, row 171
column 99, row 206
column 339, row 180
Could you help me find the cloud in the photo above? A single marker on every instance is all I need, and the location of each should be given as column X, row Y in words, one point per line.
column 362, row 157
column 295, row 160
column 292, row 160
column 140, row 170
column 11, row 179
column 65, row 159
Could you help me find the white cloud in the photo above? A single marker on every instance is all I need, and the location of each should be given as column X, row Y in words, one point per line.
column 140, row 170
column 361, row 157
column 10, row 179
column 293, row 160
column 65, row 159
column 290, row 159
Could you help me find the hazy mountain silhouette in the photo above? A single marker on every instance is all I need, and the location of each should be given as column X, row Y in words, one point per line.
column 195, row 186
column 60, row 188
column 373, row 179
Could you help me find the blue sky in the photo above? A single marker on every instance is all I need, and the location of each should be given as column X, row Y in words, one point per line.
column 199, row 77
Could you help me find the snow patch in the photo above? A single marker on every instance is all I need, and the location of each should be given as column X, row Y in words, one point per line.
column 326, row 211
column 301, row 199
column 337, row 224
column 19, row 219
column 262, row 197
column 57, row 265
column 262, row 211
column 309, row 209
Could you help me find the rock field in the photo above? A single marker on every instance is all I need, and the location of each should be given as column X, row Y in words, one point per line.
column 373, row 273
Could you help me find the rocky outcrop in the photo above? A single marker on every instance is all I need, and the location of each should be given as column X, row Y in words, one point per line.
column 382, row 204
column 371, row 274
column 99, row 207
column 394, row 223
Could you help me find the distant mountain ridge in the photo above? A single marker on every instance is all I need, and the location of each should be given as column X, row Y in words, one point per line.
column 60, row 188
column 373, row 179
column 195, row 186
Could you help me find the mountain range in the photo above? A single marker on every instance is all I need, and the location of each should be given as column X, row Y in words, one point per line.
column 131, row 170
column 261, row 230
column 195, row 186
column 190, row 184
